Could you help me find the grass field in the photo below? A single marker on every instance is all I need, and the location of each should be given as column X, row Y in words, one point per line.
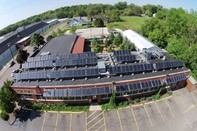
column 130, row 22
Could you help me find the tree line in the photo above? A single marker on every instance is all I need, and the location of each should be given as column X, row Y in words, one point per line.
column 176, row 31
column 103, row 11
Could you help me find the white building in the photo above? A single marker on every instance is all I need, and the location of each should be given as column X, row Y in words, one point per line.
column 138, row 40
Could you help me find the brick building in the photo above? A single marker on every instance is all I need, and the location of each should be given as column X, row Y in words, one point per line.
column 60, row 74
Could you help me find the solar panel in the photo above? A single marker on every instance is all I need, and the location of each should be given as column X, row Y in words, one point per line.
column 168, row 64
column 49, row 93
column 122, row 88
column 121, row 52
column 175, row 79
column 88, row 91
column 127, row 58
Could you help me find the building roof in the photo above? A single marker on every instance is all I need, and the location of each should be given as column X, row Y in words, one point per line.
column 79, row 45
column 102, row 80
column 90, row 33
column 138, row 40
column 23, row 39
column 60, row 45
column 17, row 36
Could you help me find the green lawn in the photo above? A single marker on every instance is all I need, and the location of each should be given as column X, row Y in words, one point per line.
column 130, row 22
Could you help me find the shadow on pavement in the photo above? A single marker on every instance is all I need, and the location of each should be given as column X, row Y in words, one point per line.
column 23, row 115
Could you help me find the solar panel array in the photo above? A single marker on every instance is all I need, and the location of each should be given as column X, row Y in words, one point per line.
column 65, row 56
column 124, row 56
column 168, row 64
column 37, row 75
column 130, row 68
column 76, row 92
column 137, row 86
column 121, row 52
column 60, row 63
column 175, row 79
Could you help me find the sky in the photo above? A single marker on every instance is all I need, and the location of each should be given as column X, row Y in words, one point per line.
column 12, row 11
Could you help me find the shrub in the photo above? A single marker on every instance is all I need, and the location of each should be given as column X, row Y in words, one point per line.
column 142, row 99
column 4, row 116
column 131, row 101
column 99, row 22
column 149, row 99
column 169, row 92
column 136, row 100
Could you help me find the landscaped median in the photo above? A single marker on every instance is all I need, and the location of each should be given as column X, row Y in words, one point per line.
column 113, row 104
column 57, row 107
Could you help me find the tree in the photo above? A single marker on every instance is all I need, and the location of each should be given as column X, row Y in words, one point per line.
column 128, row 12
column 73, row 29
column 111, row 37
column 107, row 42
column 49, row 38
column 118, row 40
column 121, row 5
column 99, row 22
column 127, row 45
column 94, row 42
column 7, row 98
column 54, row 34
column 37, row 40
column 97, row 48
column 59, row 32
column 137, row 10
column 113, row 15
column 22, row 56
column 158, row 37
column 175, row 30
column 110, row 48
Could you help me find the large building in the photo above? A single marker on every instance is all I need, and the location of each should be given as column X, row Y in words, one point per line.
column 10, row 42
column 60, row 74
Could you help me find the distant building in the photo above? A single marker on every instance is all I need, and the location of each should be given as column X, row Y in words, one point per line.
column 139, row 41
column 11, row 41
column 77, row 21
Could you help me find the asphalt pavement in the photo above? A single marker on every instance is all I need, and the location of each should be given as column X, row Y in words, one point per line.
column 175, row 113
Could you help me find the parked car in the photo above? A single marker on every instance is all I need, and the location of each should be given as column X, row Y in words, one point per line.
column 11, row 63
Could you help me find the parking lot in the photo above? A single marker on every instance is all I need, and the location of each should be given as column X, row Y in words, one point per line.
column 175, row 113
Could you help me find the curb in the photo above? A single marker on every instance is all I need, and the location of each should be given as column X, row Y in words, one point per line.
column 11, row 123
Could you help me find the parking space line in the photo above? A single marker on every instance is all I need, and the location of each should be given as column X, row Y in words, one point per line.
column 169, row 108
column 91, row 114
column 70, row 121
column 189, row 108
column 44, row 121
column 104, row 121
column 99, row 127
column 86, row 114
column 135, row 119
column 95, row 123
column 94, row 118
column 56, row 121
column 159, row 112
column 148, row 115
column 119, row 120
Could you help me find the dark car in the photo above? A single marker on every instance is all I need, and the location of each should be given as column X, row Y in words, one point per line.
column 11, row 63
